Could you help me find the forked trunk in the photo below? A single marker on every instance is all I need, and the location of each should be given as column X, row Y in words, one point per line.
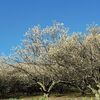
column 46, row 92
column 45, row 95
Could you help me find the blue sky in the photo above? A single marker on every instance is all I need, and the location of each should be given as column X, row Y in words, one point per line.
column 16, row 16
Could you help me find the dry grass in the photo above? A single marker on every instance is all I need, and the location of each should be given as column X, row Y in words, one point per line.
column 63, row 97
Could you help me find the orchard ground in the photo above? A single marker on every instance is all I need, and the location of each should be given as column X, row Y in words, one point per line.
column 75, row 96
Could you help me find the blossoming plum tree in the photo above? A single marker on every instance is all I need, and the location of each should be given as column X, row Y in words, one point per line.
column 32, row 56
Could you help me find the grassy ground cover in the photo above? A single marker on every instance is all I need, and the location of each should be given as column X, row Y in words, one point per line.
column 58, row 97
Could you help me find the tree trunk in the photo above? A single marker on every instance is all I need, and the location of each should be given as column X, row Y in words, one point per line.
column 43, row 90
column 46, row 92
column 46, row 95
